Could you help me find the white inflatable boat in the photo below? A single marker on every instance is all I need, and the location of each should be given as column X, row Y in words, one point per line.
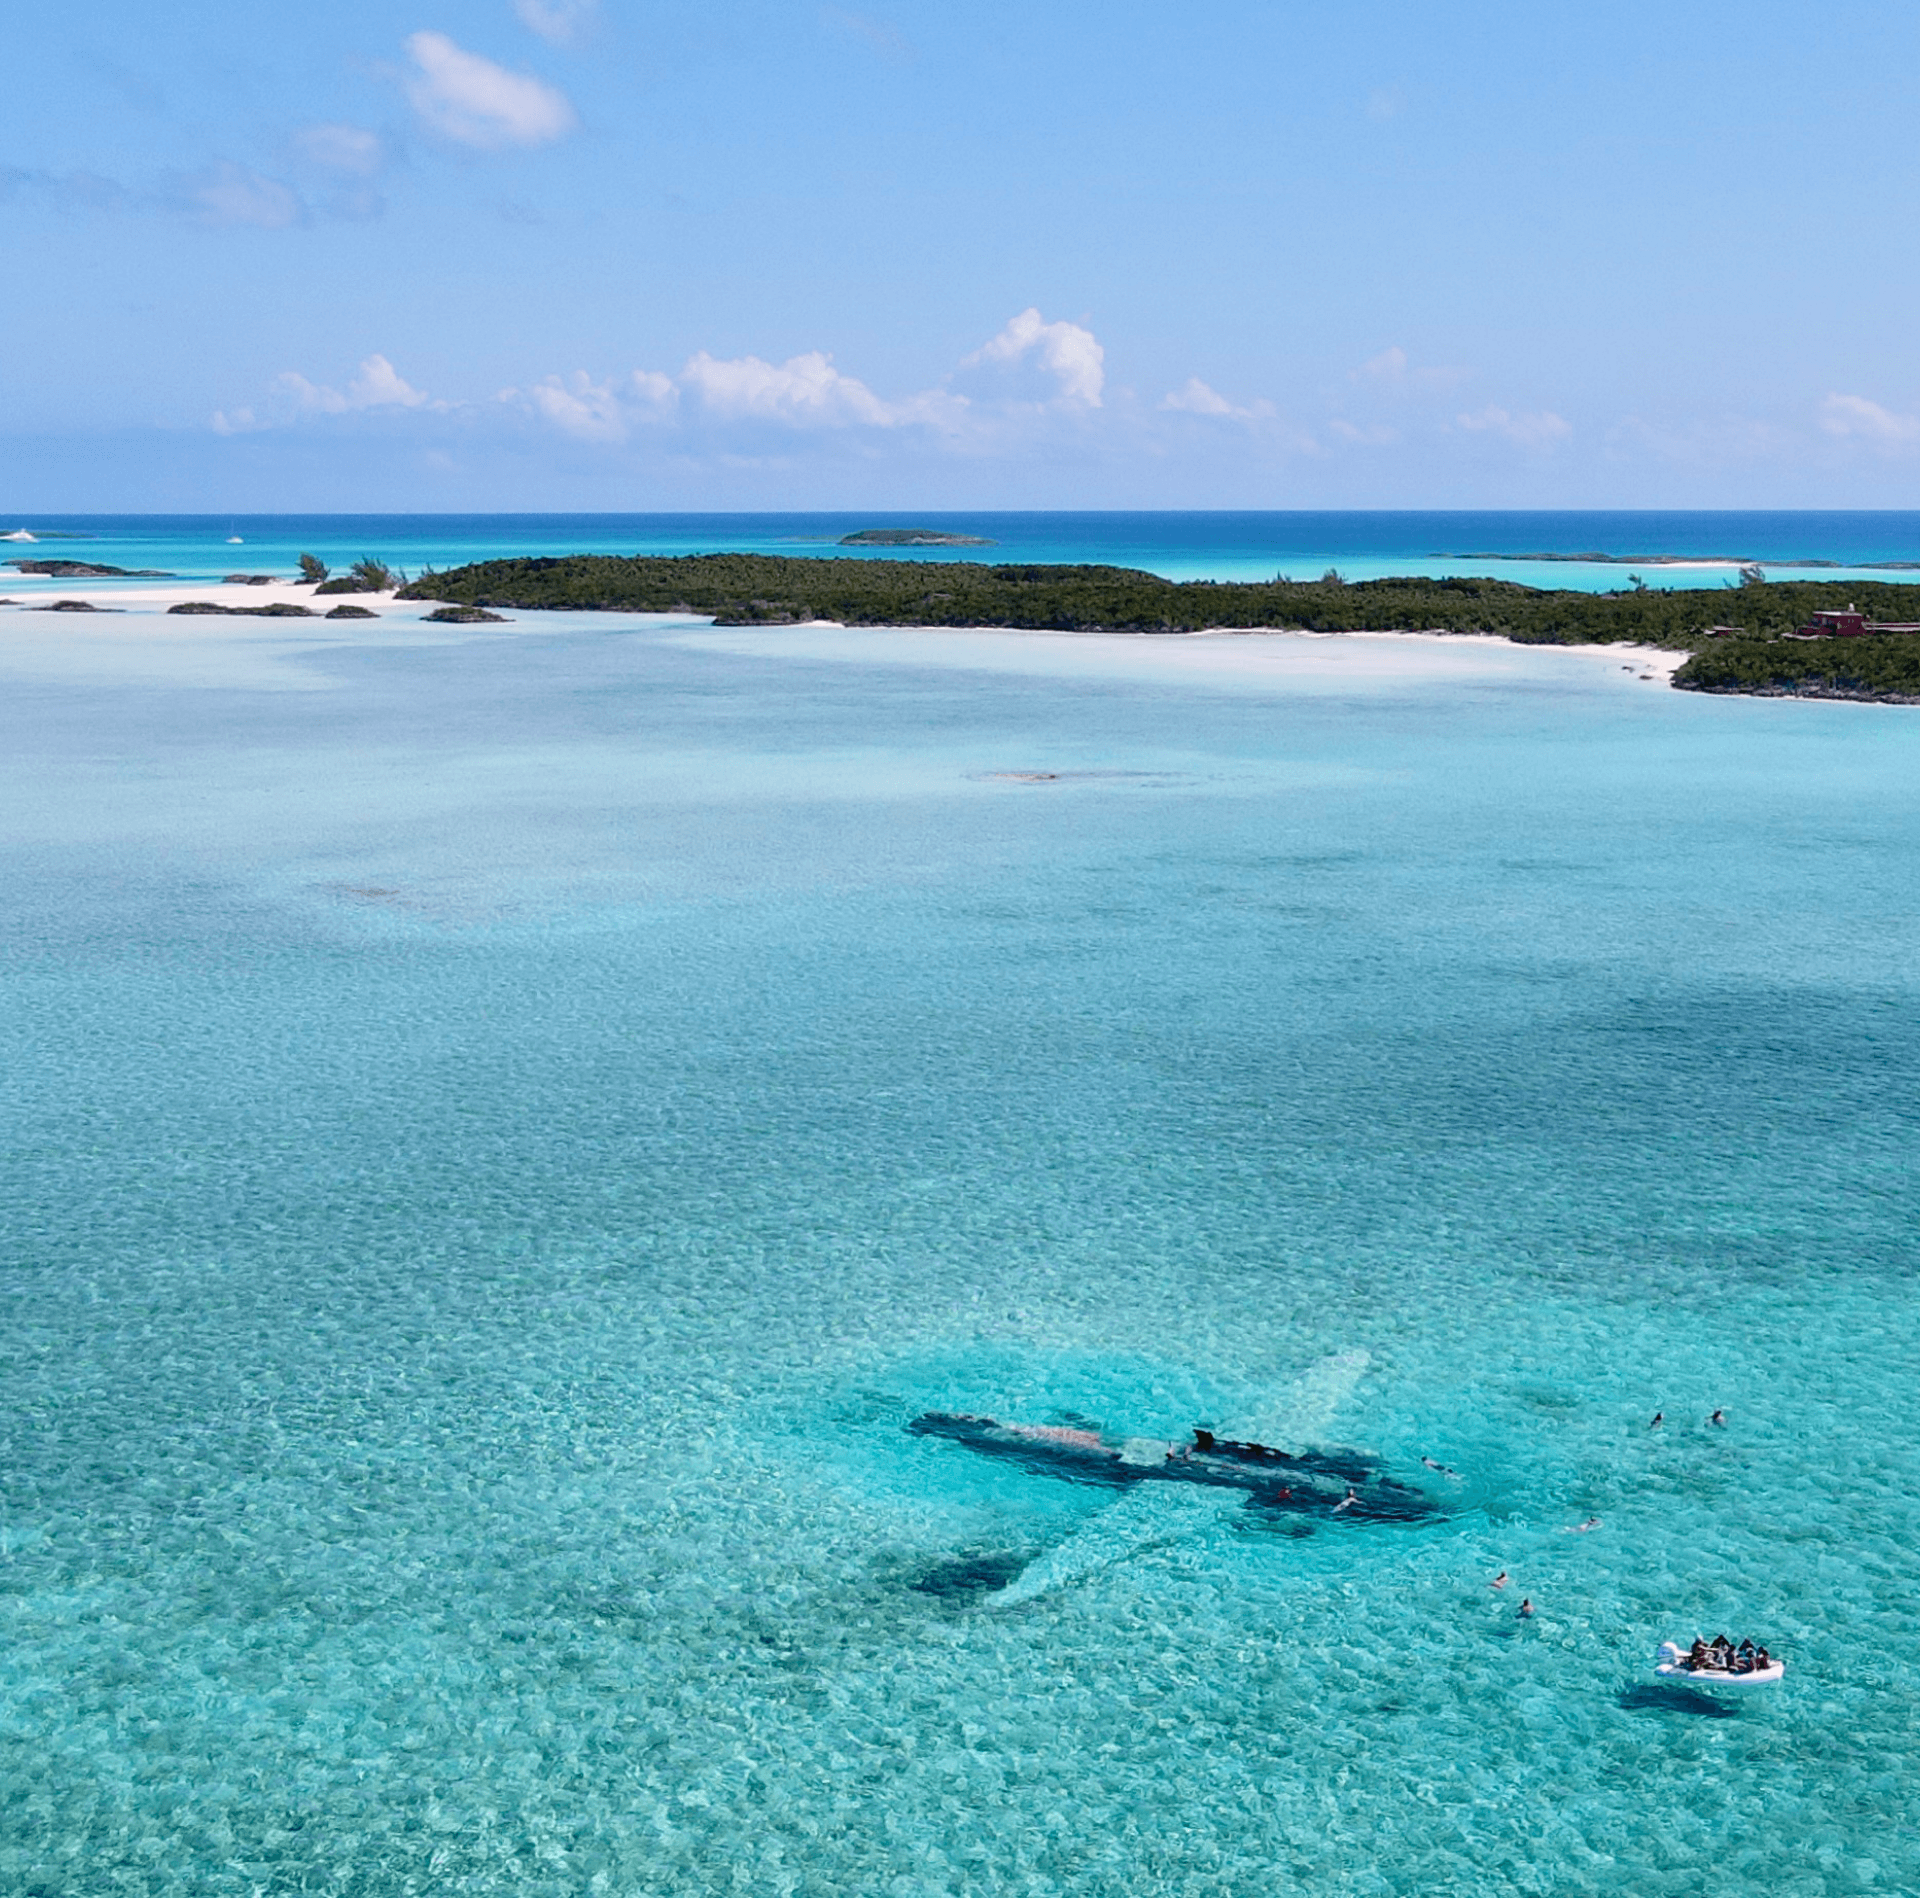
column 1673, row 1664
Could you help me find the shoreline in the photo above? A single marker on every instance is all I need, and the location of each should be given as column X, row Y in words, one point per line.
column 137, row 614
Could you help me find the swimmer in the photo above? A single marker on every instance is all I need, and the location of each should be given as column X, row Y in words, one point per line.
column 1348, row 1500
column 1659, row 1417
column 1718, row 1420
column 1439, row 1468
column 1499, row 1581
column 1581, row 1528
column 1526, row 1610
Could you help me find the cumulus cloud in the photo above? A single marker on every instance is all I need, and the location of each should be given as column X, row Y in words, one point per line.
column 229, row 194
column 1853, row 416
column 718, row 397
column 378, row 385
column 1194, row 397
column 1536, row 430
column 592, row 411
column 474, row 102
column 561, row 21
column 1069, row 356
column 804, row 390
column 351, row 150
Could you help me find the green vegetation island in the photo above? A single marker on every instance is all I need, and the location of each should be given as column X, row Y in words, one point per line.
column 910, row 537
column 1739, row 638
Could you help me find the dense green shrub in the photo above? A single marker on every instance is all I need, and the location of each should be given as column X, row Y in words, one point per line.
column 1887, row 667
column 766, row 589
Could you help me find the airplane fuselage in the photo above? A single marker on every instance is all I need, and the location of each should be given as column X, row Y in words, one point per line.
column 1341, row 1483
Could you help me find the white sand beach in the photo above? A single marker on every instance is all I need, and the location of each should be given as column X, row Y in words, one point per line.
column 133, row 634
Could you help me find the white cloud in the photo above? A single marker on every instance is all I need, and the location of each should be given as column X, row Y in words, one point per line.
column 228, row 194
column 804, row 389
column 1537, row 430
column 654, row 390
column 1854, row 416
column 474, row 102
column 561, row 21
column 577, row 405
column 1389, row 366
column 378, row 385
column 350, row 149
column 1194, row 397
column 1070, row 355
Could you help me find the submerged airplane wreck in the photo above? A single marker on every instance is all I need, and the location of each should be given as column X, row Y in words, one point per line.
column 1344, row 1484
column 1167, row 1492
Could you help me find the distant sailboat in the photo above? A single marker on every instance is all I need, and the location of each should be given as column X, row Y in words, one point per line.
column 19, row 533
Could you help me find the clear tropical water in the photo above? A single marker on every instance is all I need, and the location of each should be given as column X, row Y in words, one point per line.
column 503, row 1132
column 1182, row 546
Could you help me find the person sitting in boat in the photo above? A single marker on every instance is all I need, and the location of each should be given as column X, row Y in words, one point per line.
column 1697, row 1655
column 1762, row 1660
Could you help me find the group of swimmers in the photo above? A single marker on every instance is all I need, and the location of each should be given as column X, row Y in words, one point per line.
column 1717, row 1421
column 1720, row 1656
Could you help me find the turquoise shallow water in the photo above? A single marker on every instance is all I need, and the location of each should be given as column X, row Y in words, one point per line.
column 501, row 1140
column 1181, row 546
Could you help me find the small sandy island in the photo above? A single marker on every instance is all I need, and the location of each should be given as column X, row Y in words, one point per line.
column 132, row 632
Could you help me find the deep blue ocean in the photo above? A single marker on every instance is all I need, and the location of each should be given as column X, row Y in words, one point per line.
column 505, row 1127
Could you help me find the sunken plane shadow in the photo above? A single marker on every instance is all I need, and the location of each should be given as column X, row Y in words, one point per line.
column 1673, row 1697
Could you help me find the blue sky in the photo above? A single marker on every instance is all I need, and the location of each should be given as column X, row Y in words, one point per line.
column 651, row 254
